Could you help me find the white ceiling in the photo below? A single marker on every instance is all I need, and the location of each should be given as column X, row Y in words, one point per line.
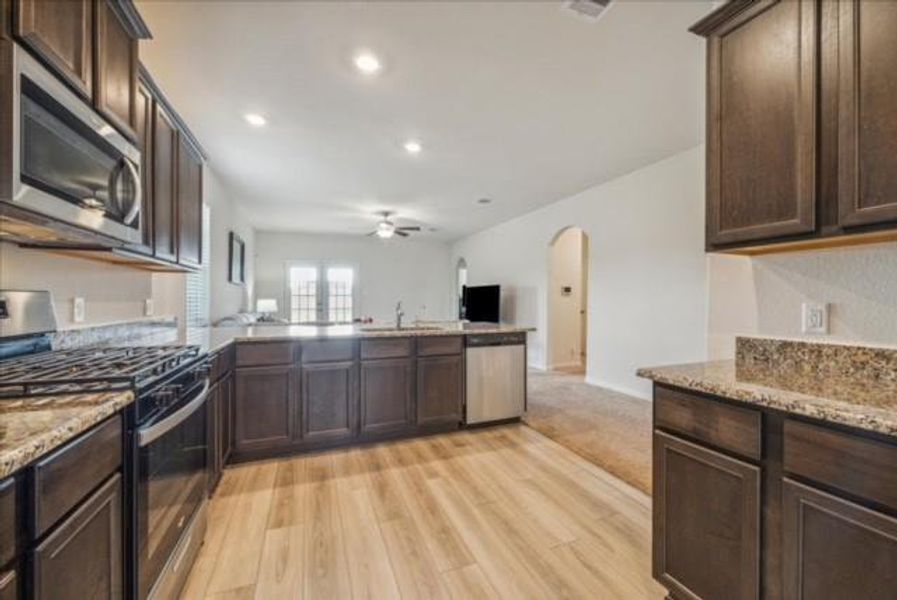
column 521, row 102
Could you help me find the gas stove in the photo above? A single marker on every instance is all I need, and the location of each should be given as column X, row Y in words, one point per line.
column 93, row 369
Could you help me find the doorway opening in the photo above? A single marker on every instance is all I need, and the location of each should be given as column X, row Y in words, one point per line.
column 460, row 284
column 568, row 300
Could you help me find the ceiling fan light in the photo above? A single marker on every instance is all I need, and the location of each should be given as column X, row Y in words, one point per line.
column 385, row 229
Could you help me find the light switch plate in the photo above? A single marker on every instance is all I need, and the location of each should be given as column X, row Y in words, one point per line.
column 79, row 310
column 148, row 307
column 814, row 318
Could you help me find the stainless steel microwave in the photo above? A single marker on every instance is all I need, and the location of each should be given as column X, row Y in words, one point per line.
column 66, row 162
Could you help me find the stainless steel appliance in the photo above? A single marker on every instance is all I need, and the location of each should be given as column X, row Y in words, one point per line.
column 65, row 162
column 496, row 377
column 166, row 445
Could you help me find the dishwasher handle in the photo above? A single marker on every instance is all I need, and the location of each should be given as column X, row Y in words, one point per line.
column 496, row 339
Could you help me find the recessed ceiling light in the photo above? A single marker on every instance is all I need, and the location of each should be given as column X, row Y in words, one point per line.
column 484, row 201
column 368, row 63
column 412, row 147
column 255, row 120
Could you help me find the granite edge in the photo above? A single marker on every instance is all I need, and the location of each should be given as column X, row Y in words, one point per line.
column 878, row 420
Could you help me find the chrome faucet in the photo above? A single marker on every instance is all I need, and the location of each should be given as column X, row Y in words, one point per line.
column 399, row 314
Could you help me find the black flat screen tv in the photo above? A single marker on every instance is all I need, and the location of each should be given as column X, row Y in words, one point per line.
column 481, row 303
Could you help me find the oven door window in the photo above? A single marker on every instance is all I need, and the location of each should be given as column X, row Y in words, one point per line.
column 171, row 485
column 63, row 157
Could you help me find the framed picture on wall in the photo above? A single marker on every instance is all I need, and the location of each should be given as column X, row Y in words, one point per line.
column 236, row 273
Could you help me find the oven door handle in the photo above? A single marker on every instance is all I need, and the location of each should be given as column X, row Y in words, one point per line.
column 157, row 430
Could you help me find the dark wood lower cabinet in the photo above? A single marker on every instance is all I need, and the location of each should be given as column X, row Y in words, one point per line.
column 329, row 402
column 82, row 557
column 387, row 395
column 214, row 464
column 706, row 522
column 836, row 549
column 440, row 390
column 265, row 407
column 226, row 430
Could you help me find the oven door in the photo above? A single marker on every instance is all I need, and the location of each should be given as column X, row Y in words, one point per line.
column 69, row 164
column 171, row 481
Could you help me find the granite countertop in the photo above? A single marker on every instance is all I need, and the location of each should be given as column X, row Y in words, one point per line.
column 212, row 339
column 850, row 385
column 33, row 427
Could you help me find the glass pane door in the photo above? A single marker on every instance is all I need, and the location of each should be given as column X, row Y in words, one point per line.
column 304, row 294
column 339, row 294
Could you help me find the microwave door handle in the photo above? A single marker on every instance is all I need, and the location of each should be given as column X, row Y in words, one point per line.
column 125, row 166
column 157, row 430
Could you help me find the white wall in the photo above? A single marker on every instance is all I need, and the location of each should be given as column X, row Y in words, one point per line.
column 647, row 272
column 417, row 272
column 111, row 292
column 763, row 295
column 564, row 321
column 227, row 298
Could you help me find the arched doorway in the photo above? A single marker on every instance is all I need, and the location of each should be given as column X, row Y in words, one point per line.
column 568, row 300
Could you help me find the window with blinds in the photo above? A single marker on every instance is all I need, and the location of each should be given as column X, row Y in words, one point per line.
column 199, row 283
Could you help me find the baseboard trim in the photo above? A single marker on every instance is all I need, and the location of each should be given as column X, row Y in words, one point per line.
column 619, row 389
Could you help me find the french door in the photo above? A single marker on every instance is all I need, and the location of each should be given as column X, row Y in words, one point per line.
column 321, row 293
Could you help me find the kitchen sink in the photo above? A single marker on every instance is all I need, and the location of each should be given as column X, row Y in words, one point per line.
column 411, row 329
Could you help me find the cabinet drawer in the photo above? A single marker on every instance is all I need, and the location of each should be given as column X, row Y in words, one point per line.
column 64, row 478
column 854, row 464
column 438, row 346
column 387, row 348
column 257, row 354
column 728, row 427
column 9, row 520
column 327, row 350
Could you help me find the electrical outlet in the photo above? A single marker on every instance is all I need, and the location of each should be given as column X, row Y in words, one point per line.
column 814, row 318
column 148, row 307
column 79, row 309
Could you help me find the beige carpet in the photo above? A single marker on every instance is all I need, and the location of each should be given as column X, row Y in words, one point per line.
column 610, row 429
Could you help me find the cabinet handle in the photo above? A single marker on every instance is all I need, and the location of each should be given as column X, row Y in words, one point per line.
column 6, row 579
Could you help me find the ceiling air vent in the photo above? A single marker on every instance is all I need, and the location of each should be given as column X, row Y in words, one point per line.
column 590, row 10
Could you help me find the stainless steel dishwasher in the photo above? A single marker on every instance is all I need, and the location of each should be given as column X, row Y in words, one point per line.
column 496, row 377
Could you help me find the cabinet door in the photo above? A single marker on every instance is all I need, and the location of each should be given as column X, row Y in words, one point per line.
column 143, row 128
column 329, row 401
column 189, row 205
column 867, row 136
column 761, row 123
column 213, row 437
column 116, row 70
column 61, row 32
column 265, row 407
column 836, row 549
column 164, row 199
column 82, row 556
column 9, row 583
column 706, row 522
column 5, row 19
column 440, row 390
column 387, row 395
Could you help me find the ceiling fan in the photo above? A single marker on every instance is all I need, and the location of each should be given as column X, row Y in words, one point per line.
column 386, row 228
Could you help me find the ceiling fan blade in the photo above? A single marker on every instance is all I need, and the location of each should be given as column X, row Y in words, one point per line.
column 409, row 228
column 371, row 233
column 401, row 233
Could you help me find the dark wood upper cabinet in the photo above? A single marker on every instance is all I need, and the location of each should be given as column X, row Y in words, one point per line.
column 82, row 557
column 329, row 401
column 116, row 70
column 61, row 33
column 761, row 120
column 5, row 19
column 143, row 128
column 189, row 204
column 265, row 403
column 387, row 395
column 440, row 390
column 164, row 193
column 836, row 549
column 867, row 125
column 706, row 522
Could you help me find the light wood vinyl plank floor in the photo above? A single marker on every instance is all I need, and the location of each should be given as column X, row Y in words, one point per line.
column 497, row 513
